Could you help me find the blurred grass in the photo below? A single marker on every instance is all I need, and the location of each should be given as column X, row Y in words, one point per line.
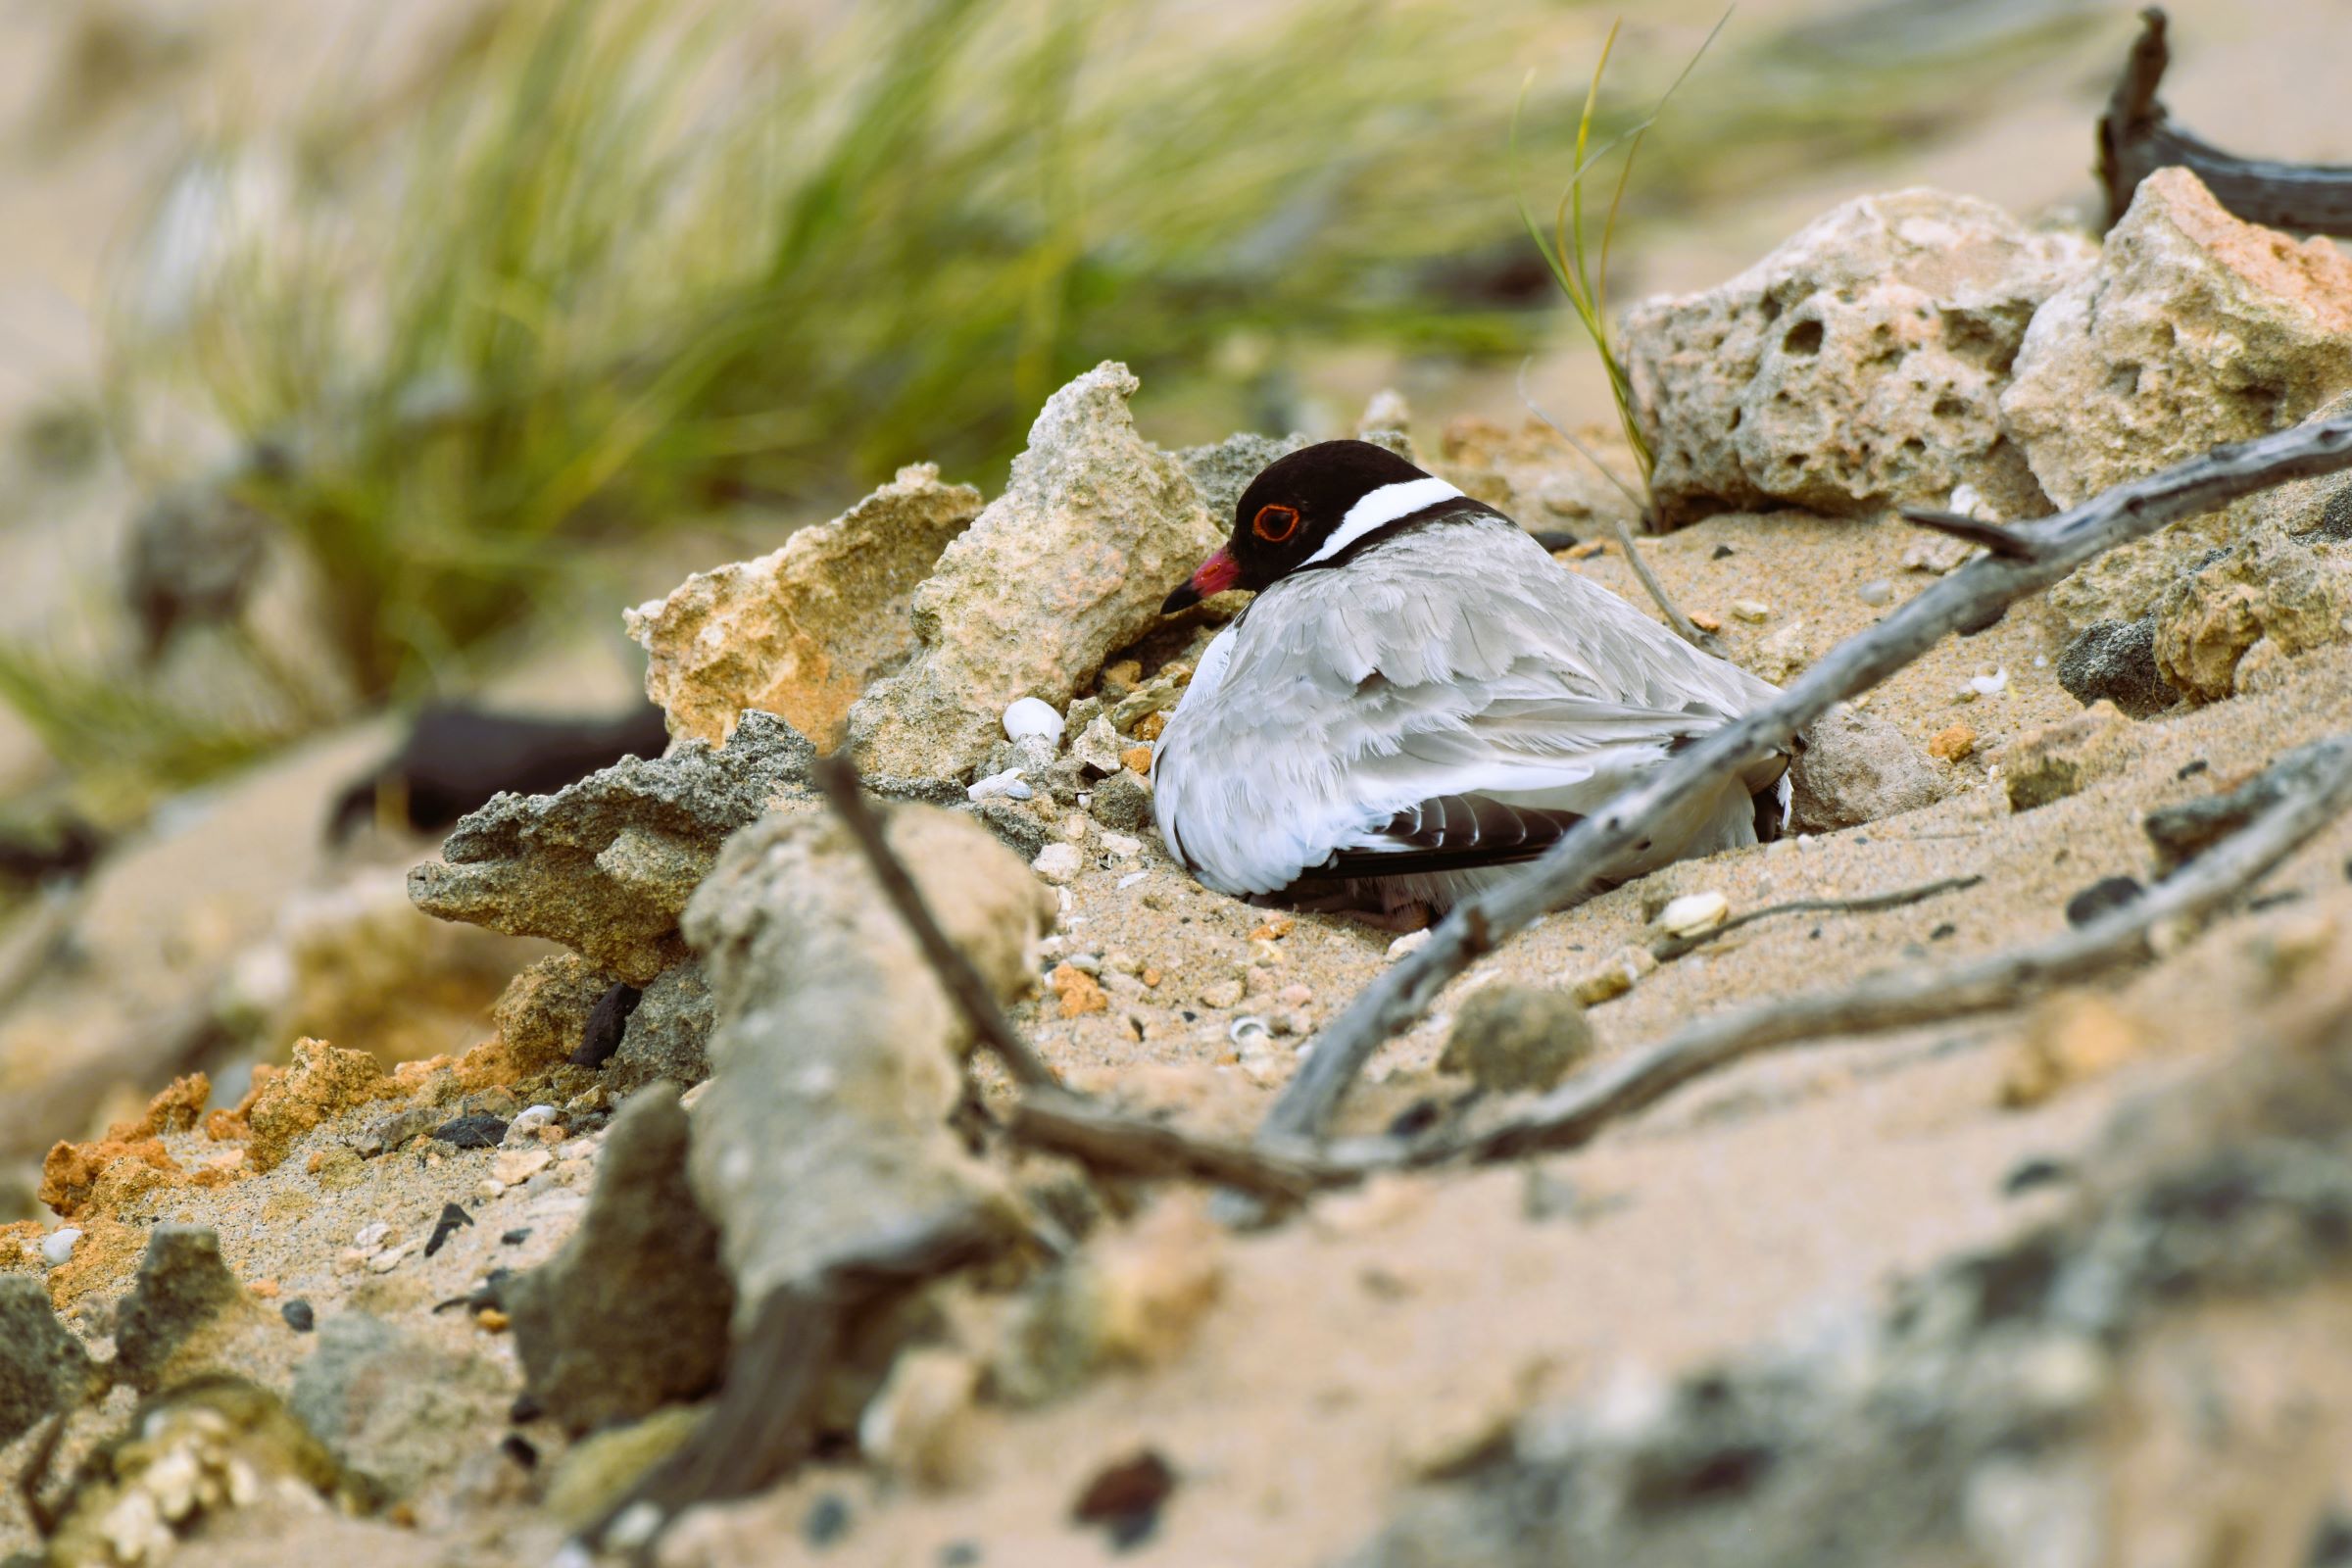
column 612, row 265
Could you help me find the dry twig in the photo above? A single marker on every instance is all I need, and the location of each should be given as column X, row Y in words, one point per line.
column 837, row 776
column 2317, row 790
column 1973, row 596
column 1869, row 904
column 1131, row 1146
column 2137, row 138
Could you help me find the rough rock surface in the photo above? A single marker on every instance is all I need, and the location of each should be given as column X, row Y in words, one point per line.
column 1860, row 364
column 2058, row 759
column 2193, row 329
column 182, row 1287
column 1855, row 767
column 632, row 1313
column 2265, row 598
column 1094, row 529
column 1223, row 469
column 802, row 631
column 2115, row 662
column 384, row 1401
column 669, row 1035
column 323, row 1080
column 605, row 866
column 42, row 1367
column 543, row 1010
column 1511, row 1037
column 826, row 1138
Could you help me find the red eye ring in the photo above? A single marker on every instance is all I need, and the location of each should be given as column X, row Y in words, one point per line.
column 1275, row 524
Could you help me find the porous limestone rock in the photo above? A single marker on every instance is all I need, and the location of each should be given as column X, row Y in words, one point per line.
column 606, row 865
column 1222, row 470
column 632, row 1313
column 2194, row 329
column 668, row 1035
column 1072, row 560
column 2115, row 662
column 1512, row 1037
column 1855, row 767
column 2263, row 600
column 1859, row 365
column 2057, row 759
column 184, row 1288
column 802, row 631
column 385, row 1401
column 1535, row 474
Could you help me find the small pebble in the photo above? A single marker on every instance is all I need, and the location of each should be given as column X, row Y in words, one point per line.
column 1125, row 1498
column 452, row 1219
column 470, row 1131
column 1057, row 863
column 371, row 1236
column 527, row 1124
column 1410, row 941
column 1032, row 717
column 1723, row 553
column 1006, row 784
column 1221, row 994
column 1704, row 622
column 1990, row 685
column 1952, row 742
column 1122, row 847
column 518, row 1447
column 299, row 1316
column 518, row 1165
column 489, row 1187
column 57, row 1245
column 577, row 1149
column 1751, row 610
column 827, row 1520
column 1694, row 913
column 1876, row 591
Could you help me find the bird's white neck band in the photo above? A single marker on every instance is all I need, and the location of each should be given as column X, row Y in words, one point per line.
column 1379, row 508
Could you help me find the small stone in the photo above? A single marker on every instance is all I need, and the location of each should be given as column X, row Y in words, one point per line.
column 471, row 1132
column 1614, row 975
column 371, row 1236
column 518, row 1165
column 1032, row 717
column 2102, row 897
column 1952, row 742
column 1512, row 1037
column 1057, row 863
column 2114, row 661
column 452, row 1219
column 1122, row 802
column 299, row 1315
column 526, row 1125
column 1078, row 991
column 43, row 1367
column 1295, row 995
column 1876, row 591
column 1006, row 784
column 1704, row 622
column 1121, row 847
column 1137, row 760
column 1694, row 913
column 826, row 1521
column 391, row 1257
column 1149, row 726
column 1855, row 769
column 1221, row 994
column 182, row 1286
column 57, row 1245
column 1409, row 943
column 1751, row 610
column 1126, row 1497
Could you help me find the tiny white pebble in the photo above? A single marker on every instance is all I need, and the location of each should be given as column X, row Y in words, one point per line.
column 1057, row 863
column 369, row 1236
column 490, row 1186
column 1410, row 941
column 1032, row 715
column 2040, row 662
column 1876, row 591
column 1990, row 685
column 1694, row 913
column 57, row 1245
column 1120, row 845
column 1006, row 783
column 1751, row 610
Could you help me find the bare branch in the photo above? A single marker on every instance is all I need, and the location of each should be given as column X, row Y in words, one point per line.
column 837, row 776
column 1969, row 597
column 1868, row 904
column 1991, row 535
column 1134, row 1146
column 2317, row 790
column 2137, row 138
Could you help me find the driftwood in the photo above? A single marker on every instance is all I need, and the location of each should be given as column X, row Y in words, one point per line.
column 2313, row 789
column 2137, row 138
column 1973, row 596
column 1132, row 1146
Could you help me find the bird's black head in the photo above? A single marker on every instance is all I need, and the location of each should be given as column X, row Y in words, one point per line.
column 1304, row 505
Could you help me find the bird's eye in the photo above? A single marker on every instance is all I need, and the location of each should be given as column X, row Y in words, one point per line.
column 1274, row 524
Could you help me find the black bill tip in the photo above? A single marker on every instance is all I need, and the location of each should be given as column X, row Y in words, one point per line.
column 1184, row 598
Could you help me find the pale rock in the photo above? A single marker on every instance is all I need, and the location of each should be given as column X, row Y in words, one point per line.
column 1695, row 912
column 802, row 631
column 2193, row 329
column 1032, row 718
column 518, row 1165
column 1072, row 561
column 2261, row 602
column 1859, row 365
column 1057, row 863
column 2058, row 759
column 1856, row 768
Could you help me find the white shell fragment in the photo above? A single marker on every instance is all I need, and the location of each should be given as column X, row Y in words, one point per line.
column 1006, row 783
column 57, row 1245
column 1694, row 913
column 1032, row 717
column 1990, row 685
